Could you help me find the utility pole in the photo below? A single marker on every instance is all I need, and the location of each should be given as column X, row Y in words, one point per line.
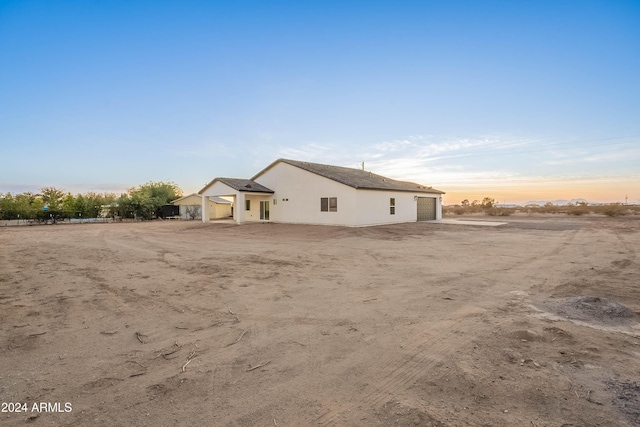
column 626, row 199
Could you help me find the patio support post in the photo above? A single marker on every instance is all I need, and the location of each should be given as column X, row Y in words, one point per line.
column 239, row 208
column 205, row 209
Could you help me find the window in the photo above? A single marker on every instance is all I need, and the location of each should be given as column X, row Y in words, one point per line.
column 247, row 204
column 333, row 204
column 392, row 206
column 328, row 204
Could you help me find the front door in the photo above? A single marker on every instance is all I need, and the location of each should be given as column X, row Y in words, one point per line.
column 264, row 211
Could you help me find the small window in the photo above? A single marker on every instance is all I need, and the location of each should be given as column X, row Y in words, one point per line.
column 247, row 204
column 392, row 206
column 328, row 204
column 275, row 201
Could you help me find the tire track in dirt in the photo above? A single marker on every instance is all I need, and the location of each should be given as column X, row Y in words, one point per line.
column 555, row 251
column 525, row 262
column 126, row 295
column 392, row 374
column 518, row 264
column 152, row 254
column 627, row 246
column 564, row 245
column 129, row 295
column 143, row 301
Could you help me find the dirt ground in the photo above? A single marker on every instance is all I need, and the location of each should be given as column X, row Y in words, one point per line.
column 420, row 324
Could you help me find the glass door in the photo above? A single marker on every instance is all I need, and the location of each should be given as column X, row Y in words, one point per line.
column 264, row 211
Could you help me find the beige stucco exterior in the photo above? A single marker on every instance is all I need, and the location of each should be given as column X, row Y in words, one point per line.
column 297, row 195
column 193, row 203
column 240, row 213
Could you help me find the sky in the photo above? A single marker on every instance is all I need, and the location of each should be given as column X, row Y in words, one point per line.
column 515, row 100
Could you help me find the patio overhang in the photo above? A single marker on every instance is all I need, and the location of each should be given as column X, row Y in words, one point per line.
column 237, row 188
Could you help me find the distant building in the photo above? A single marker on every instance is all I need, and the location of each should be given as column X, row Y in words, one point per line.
column 191, row 207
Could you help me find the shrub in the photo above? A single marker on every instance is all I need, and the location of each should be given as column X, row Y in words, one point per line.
column 579, row 209
column 613, row 210
column 498, row 211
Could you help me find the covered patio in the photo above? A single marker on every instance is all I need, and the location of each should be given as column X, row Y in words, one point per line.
column 250, row 200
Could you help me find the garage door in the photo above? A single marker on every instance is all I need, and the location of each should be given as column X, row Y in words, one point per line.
column 426, row 208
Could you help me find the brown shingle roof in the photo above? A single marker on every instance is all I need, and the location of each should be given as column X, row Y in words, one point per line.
column 241, row 184
column 356, row 178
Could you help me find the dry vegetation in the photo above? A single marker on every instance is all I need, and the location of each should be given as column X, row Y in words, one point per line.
column 181, row 323
column 610, row 210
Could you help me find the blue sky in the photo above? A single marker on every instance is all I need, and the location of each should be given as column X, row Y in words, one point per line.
column 515, row 100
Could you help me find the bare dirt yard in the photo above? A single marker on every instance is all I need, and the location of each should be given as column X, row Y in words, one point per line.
column 533, row 323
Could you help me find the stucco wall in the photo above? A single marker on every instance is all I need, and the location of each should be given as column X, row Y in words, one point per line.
column 254, row 213
column 216, row 210
column 186, row 203
column 213, row 210
column 219, row 189
column 374, row 207
column 304, row 189
column 219, row 210
column 185, row 214
column 240, row 214
column 298, row 193
column 191, row 200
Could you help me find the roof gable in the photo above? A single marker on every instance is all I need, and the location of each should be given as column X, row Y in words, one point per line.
column 239, row 184
column 186, row 197
column 356, row 178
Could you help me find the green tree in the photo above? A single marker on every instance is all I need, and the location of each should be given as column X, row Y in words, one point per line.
column 465, row 203
column 143, row 206
column 93, row 205
column 80, row 207
column 8, row 207
column 28, row 206
column 147, row 199
column 142, row 202
column 68, row 206
column 122, row 207
column 52, row 197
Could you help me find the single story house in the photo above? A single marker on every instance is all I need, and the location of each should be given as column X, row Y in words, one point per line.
column 191, row 207
column 293, row 191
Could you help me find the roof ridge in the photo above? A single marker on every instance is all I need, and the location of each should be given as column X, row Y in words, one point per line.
column 357, row 178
